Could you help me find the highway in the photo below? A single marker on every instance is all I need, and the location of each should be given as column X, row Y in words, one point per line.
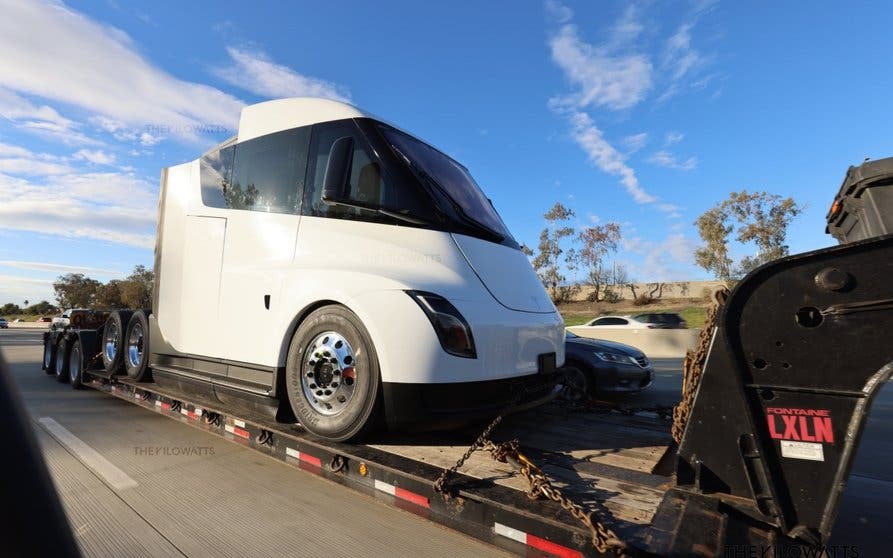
column 163, row 488
column 200, row 495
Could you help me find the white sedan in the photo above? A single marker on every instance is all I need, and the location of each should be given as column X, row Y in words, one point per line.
column 618, row 322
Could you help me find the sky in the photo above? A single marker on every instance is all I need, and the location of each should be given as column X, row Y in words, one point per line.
column 644, row 113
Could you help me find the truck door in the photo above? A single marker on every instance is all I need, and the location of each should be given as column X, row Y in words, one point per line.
column 265, row 196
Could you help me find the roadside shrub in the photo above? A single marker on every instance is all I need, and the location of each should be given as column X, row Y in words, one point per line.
column 612, row 296
column 642, row 300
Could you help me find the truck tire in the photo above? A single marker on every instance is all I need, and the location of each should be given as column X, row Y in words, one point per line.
column 113, row 341
column 49, row 354
column 61, row 365
column 332, row 375
column 76, row 365
column 136, row 347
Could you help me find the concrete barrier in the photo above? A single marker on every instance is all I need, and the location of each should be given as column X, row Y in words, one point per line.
column 656, row 343
column 29, row 325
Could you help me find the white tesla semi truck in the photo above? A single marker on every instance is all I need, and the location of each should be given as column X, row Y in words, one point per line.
column 328, row 267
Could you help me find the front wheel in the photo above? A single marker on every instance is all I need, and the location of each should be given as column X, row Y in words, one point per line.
column 332, row 375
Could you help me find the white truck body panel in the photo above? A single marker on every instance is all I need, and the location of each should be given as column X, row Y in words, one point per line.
column 217, row 266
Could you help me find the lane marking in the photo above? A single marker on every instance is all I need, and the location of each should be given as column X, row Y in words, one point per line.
column 115, row 477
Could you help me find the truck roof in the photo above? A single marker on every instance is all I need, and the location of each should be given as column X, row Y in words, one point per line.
column 284, row 114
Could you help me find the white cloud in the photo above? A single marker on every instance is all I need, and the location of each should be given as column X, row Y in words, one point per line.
column 53, row 267
column 41, row 120
column 605, row 157
column 558, row 11
column 21, row 161
column 97, row 157
column 53, row 52
column 17, row 289
column 664, row 260
column 672, row 138
column 666, row 159
column 111, row 207
column 602, row 77
column 681, row 61
column 635, row 142
column 253, row 71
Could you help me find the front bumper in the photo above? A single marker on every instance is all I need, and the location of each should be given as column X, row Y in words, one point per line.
column 623, row 379
column 418, row 407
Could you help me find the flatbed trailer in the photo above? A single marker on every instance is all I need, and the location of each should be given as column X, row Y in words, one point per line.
column 775, row 398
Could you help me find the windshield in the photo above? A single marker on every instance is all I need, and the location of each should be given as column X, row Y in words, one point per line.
column 452, row 178
column 569, row 335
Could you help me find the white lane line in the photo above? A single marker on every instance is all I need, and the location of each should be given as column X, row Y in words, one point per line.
column 114, row 476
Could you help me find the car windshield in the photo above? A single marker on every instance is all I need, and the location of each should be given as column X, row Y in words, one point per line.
column 570, row 335
column 452, row 178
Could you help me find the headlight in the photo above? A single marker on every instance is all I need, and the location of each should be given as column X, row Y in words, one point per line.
column 616, row 358
column 452, row 330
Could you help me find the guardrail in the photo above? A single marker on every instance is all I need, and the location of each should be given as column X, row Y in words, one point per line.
column 29, row 325
column 656, row 343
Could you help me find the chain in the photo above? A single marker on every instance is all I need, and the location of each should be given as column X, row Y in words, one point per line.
column 693, row 365
column 603, row 538
column 477, row 444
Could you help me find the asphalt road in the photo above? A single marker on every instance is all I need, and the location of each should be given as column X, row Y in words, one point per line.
column 155, row 487
column 265, row 501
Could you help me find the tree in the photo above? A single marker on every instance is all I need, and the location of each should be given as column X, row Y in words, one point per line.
column 41, row 308
column 598, row 241
column 74, row 290
column 108, row 296
column 136, row 289
column 761, row 218
column 548, row 259
column 10, row 308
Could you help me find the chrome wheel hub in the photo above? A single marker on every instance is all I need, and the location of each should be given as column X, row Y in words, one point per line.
column 135, row 346
column 111, row 341
column 328, row 377
column 74, row 363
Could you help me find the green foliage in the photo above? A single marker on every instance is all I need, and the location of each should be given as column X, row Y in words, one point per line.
column 761, row 218
column 74, row 290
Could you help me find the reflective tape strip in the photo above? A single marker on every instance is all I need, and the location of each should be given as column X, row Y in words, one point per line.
column 535, row 542
column 191, row 414
column 240, row 432
column 306, row 458
column 402, row 493
column 163, row 405
column 239, row 423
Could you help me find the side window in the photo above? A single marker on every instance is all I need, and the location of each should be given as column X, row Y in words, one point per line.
column 367, row 181
column 263, row 174
column 216, row 172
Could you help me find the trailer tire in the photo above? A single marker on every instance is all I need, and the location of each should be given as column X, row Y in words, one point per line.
column 49, row 354
column 332, row 375
column 112, row 343
column 61, row 367
column 76, row 365
column 136, row 347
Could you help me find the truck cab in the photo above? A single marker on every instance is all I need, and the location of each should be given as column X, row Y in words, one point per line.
column 330, row 261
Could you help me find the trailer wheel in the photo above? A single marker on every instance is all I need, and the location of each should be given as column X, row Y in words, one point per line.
column 61, row 367
column 113, row 341
column 575, row 385
column 136, row 348
column 76, row 365
column 332, row 376
column 49, row 355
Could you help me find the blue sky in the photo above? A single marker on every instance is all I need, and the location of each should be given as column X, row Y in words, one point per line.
column 644, row 113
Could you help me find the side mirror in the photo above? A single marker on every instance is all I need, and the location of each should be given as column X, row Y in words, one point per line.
column 334, row 185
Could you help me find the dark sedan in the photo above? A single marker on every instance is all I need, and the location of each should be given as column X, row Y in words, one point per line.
column 597, row 366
